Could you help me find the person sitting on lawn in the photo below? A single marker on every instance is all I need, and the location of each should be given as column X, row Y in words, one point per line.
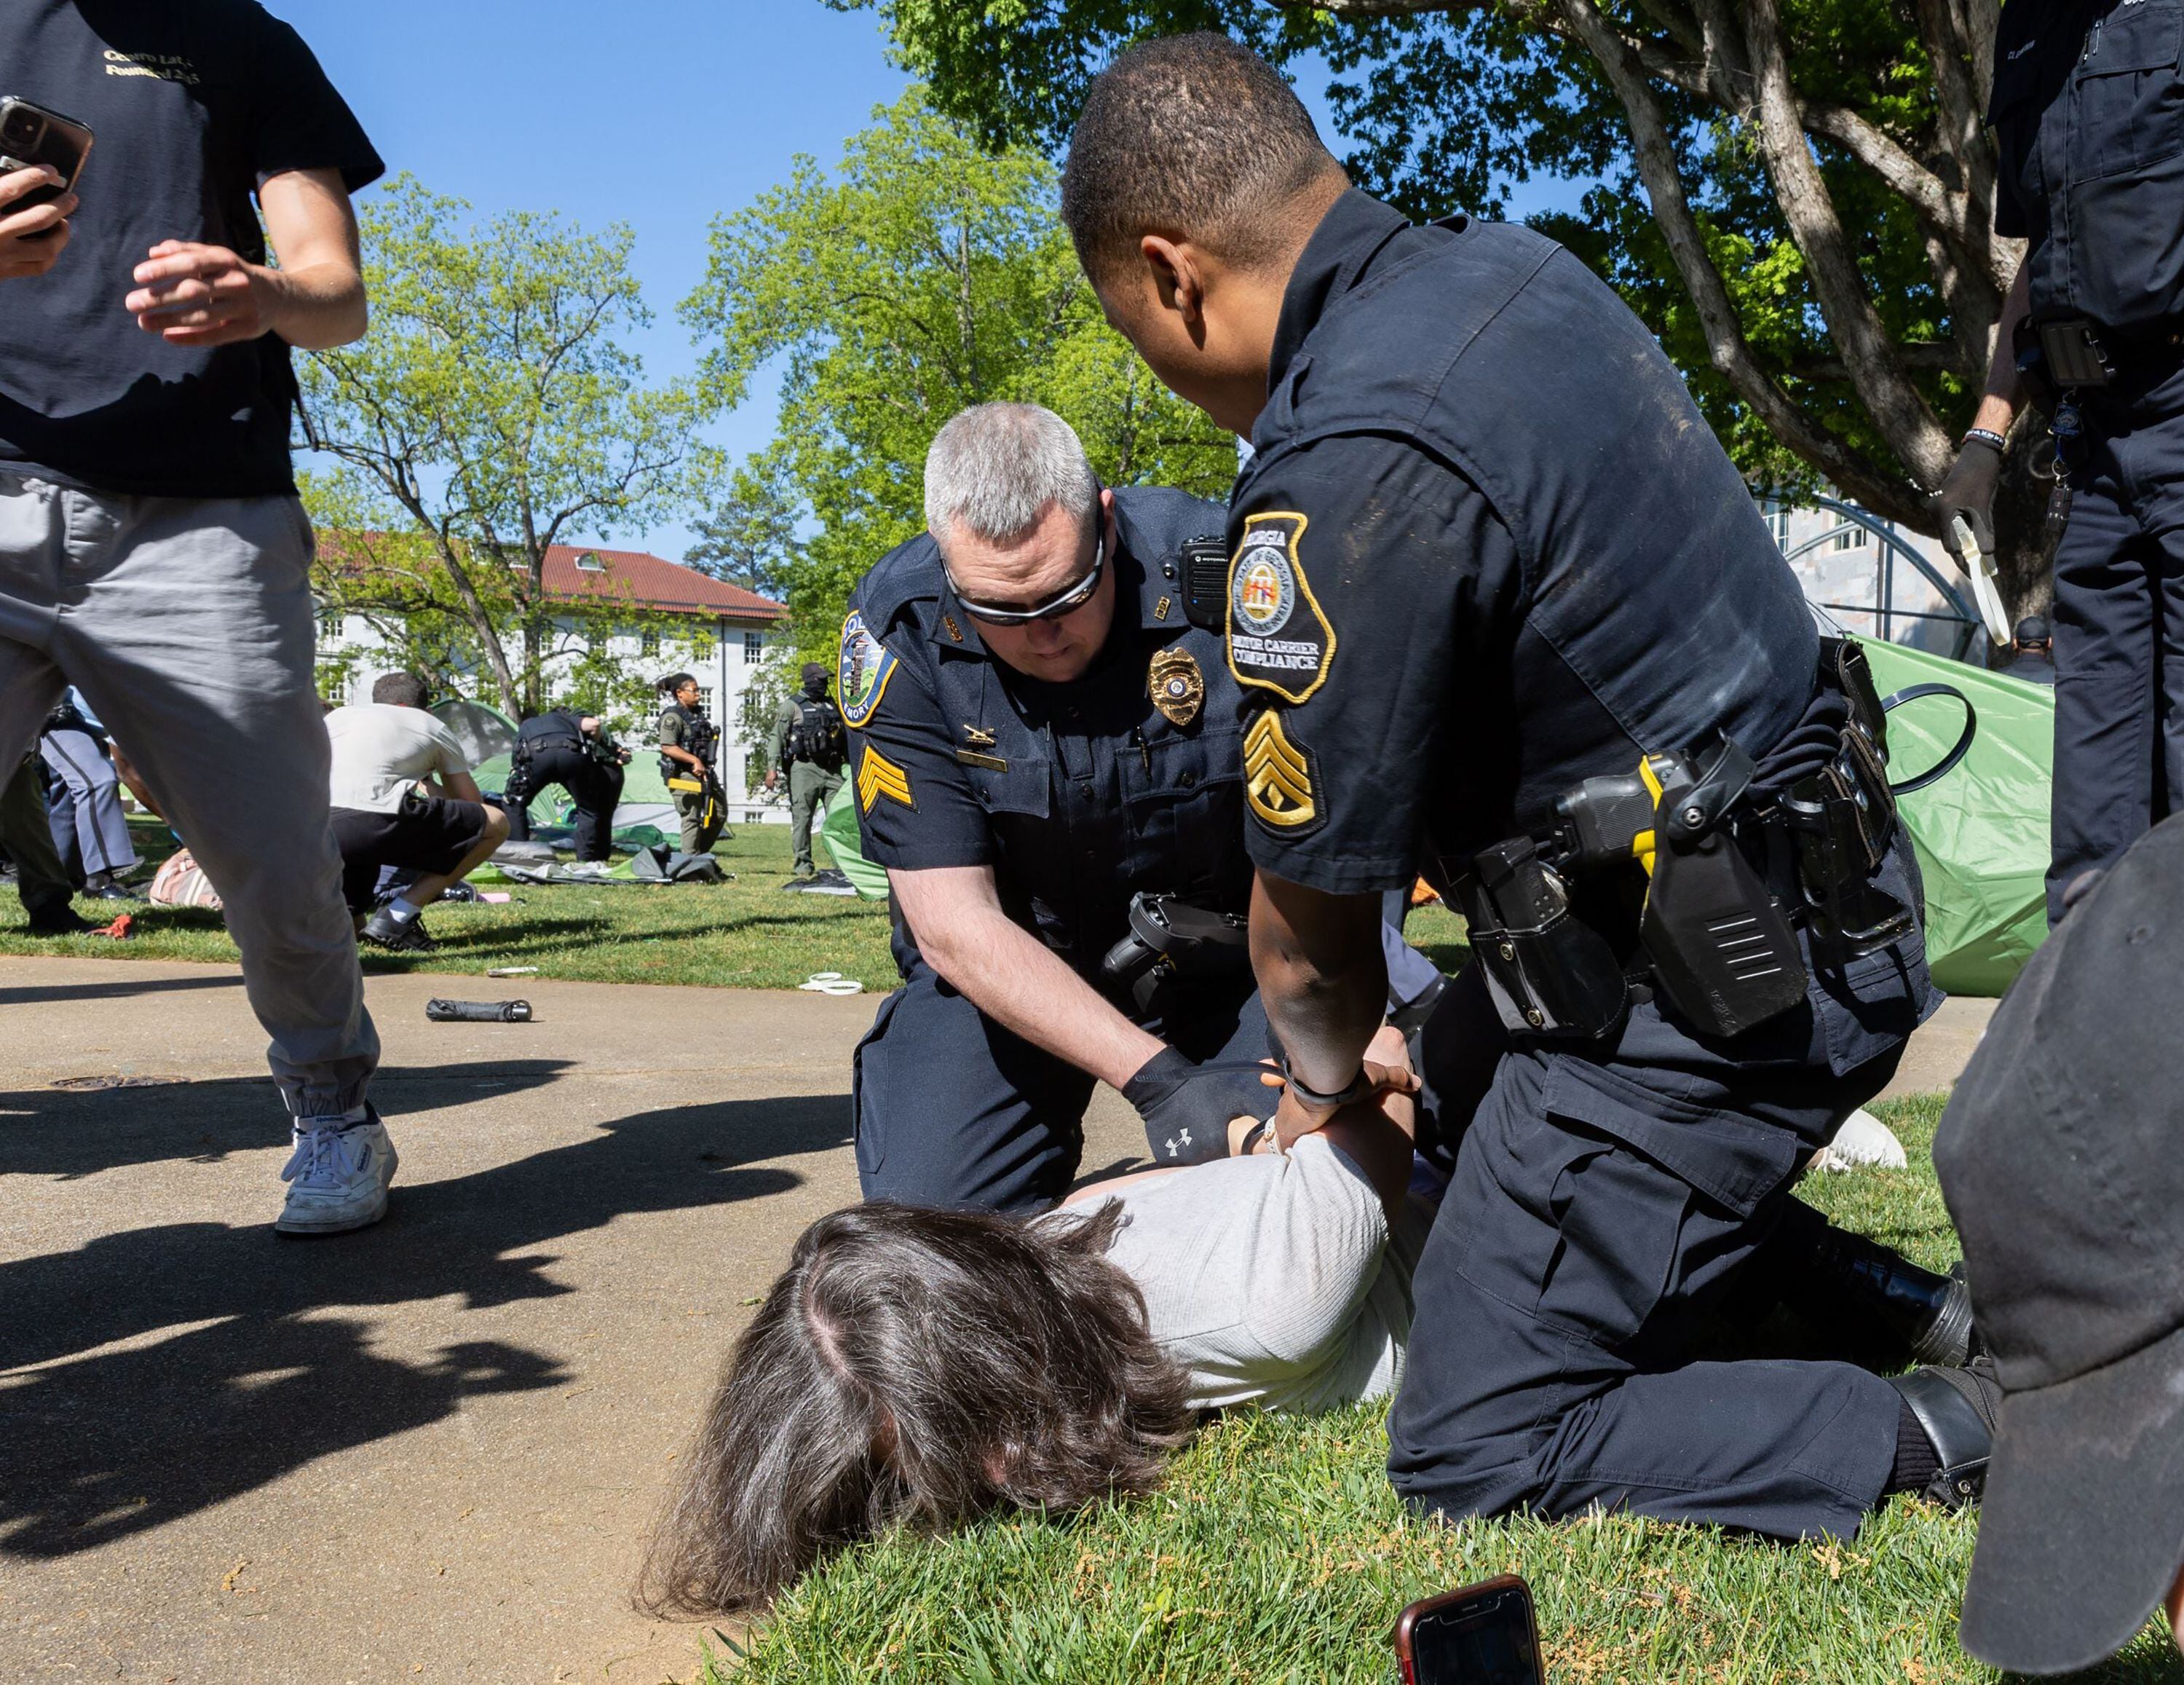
column 403, row 795
column 917, row 1365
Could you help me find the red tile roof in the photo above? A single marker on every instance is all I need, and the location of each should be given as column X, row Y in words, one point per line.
column 651, row 581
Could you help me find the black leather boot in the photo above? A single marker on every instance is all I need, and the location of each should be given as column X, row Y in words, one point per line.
column 1868, row 1298
column 1956, row 1408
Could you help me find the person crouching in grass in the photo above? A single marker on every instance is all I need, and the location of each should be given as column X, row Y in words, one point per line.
column 916, row 1367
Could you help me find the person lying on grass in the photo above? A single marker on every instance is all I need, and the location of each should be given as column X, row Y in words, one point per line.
column 919, row 1367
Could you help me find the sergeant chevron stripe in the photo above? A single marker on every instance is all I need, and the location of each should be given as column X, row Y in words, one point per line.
column 878, row 776
column 1278, row 778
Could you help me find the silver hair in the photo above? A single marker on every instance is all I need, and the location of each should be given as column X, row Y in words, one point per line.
column 995, row 466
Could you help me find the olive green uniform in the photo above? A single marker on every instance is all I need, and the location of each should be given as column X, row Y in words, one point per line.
column 701, row 811
column 810, row 785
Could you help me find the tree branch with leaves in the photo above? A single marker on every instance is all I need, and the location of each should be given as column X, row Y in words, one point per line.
column 1798, row 196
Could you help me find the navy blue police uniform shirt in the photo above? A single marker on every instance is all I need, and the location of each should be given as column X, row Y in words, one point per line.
column 1486, row 547
column 2087, row 110
column 1078, row 795
column 192, row 105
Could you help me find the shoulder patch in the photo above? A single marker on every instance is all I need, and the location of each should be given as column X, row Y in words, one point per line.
column 1277, row 776
column 860, row 676
column 1279, row 637
column 878, row 776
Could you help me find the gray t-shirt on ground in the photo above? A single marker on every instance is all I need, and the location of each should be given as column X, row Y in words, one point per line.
column 1273, row 1279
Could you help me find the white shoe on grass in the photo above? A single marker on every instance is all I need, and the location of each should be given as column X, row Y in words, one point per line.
column 337, row 1178
column 1865, row 1142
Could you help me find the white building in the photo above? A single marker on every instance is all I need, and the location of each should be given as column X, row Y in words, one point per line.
column 1843, row 556
column 729, row 631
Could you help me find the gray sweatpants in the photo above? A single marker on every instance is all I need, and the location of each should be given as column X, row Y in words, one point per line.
column 188, row 623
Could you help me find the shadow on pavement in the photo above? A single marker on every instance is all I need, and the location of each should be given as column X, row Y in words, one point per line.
column 115, row 1443
column 72, row 1132
column 34, row 993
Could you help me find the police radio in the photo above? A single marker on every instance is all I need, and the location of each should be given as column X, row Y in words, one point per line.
column 1205, row 583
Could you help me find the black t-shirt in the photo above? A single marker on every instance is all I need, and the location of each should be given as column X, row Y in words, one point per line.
column 193, row 103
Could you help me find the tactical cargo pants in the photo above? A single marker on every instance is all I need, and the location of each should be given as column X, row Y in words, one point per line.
column 1605, row 1202
column 810, row 787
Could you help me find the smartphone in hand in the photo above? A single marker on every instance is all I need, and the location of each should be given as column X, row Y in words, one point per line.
column 31, row 134
column 1482, row 1635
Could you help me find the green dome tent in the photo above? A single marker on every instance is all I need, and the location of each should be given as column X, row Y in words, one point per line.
column 1981, row 830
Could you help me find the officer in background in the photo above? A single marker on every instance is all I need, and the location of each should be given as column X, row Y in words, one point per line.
column 1046, row 762
column 2032, row 652
column 1486, row 551
column 689, row 753
column 571, row 749
column 2088, row 119
column 810, row 739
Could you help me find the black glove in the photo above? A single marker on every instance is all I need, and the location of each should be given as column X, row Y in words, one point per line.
column 1969, row 492
column 1186, row 1107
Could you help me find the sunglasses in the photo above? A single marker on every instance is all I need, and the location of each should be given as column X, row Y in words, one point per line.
column 1067, row 600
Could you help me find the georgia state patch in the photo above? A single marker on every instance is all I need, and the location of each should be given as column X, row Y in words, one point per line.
column 1279, row 637
column 860, row 676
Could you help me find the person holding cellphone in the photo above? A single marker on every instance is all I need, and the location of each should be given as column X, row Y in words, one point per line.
column 152, row 549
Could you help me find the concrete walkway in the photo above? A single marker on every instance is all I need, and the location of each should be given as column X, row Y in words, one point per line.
column 430, row 1451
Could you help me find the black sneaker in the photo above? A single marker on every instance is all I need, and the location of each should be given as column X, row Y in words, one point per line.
column 68, row 922
column 383, row 931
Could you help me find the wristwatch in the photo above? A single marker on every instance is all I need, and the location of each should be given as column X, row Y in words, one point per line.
column 1355, row 1089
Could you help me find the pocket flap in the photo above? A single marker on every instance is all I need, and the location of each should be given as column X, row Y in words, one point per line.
column 1735, row 1162
column 2138, row 35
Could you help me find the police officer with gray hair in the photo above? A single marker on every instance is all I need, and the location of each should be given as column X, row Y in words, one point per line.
column 1045, row 758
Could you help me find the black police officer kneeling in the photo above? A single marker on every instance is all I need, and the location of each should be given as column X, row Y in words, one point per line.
column 2088, row 119
column 1486, row 548
column 567, row 747
column 1037, row 736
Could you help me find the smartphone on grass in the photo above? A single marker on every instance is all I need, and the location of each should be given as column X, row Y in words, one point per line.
column 1482, row 1635
column 31, row 134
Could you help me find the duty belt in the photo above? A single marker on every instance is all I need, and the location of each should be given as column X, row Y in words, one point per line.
column 1730, row 876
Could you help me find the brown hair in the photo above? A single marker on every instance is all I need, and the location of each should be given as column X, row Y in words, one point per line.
column 916, row 1368
column 1190, row 135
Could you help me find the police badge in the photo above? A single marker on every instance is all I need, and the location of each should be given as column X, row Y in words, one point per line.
column 1178, row 687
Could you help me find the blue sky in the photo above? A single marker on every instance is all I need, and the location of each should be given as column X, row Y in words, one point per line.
column 658, row 113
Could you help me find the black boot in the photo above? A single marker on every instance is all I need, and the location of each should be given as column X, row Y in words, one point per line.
column 1868, row 1296
column 1955, row 1410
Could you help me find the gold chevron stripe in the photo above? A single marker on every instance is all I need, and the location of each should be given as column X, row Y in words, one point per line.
column 1278, row 778
column 879, row 776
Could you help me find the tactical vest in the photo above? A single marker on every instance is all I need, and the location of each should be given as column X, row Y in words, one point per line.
column 1067, row 859
column 818, row 735
column 1656, row 605
column 700, row 736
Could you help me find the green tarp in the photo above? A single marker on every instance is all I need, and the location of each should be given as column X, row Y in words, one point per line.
column 839, row 831
column 1981, row 831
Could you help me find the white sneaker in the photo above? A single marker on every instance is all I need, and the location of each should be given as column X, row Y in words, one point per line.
column 1863, row 1142
column 338, row 1179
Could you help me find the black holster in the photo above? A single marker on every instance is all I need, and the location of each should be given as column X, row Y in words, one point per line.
column 1172, row 943
column 1550, row 973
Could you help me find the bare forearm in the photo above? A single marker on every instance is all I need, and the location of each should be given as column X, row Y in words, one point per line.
column 2005, row 386
column 316, row 307
column 1322, row 976
column 1011, row 976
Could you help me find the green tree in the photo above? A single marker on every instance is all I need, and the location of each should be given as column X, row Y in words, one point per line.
column 492, row 412
column 921, row 276
column 1797, row 195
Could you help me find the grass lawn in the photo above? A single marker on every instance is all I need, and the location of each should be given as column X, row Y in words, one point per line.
column 747, row 934
column 1278, row 1552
